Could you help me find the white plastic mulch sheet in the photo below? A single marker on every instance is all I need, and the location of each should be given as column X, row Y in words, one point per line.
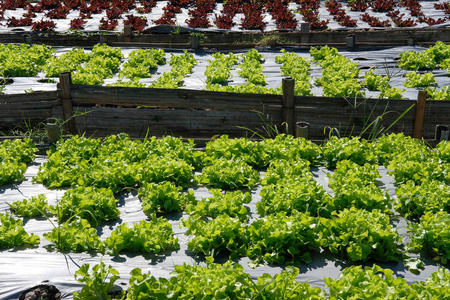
column 383, row 60
column 63, row 25
column 21, row 269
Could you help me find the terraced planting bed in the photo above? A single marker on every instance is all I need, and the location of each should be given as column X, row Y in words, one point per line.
column 294, row 218
column 236, row 15
column 387, row 73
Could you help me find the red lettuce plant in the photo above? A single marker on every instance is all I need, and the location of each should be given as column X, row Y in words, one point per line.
column 181, row 3
column 50, row 4
column 383, row 5
column 397, row 19
column 431, row 21
column 284, row 18
column 13, row 4
column 58, row 13
column 199, row 19
column 102, row 4
column 166, row 18
column 85, row 15
column 124, row 5
column 136, row 23
column 206, row 5
column 73, row 4
column 345, row 20
column 442, row 6
column 172, row 8
column 253, row 16
column 232, row 7
column 114, row 12
column 358, row 5
column 224, row 21
column 310, row 11
column 316, row 24
column 29, row 14
column 13, row 22
column 374, row 22
column 43, row 25
column 77, row 24
column 147, row 6
column 106, row 24
column 333, row 7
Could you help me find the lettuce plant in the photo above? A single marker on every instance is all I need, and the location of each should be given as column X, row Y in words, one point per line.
column 360, row 235
column 12, row 233
column 155, row 236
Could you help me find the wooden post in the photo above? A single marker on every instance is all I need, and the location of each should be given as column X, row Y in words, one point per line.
column 288, row 105
column 420, row 113
column 127, row 33
column 65, row 81
column 304, row 33
column 350, row 41
column 195, row 42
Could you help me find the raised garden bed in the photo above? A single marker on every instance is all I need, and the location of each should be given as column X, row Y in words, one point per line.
column 225, row 26
column 293, row 177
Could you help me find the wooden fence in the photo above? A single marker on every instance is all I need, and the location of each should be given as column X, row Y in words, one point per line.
column 22, row 110
column 373, row 37
column 100, row 111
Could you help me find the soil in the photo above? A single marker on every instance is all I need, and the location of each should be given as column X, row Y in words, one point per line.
column 41, row 292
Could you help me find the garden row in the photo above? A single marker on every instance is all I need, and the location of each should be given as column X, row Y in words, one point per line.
column 205, row 14
column 290, row 196
column 229, row 281
column 297, row 217
column 341, row 77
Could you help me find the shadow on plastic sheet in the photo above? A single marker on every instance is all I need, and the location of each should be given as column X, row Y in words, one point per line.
column 148, row 258
column 126, row 193
column 12, row 187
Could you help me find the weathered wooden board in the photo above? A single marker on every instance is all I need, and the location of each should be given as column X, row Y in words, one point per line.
column 8, row 108
column 174, row 98
column 178, row 122
column 236, row 40
column 28, row 97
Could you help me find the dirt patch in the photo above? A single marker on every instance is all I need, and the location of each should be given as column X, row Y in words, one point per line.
column 41, row 292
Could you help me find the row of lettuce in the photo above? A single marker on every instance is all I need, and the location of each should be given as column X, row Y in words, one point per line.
column 340, row 75
column 229, row 281
column 297, row 217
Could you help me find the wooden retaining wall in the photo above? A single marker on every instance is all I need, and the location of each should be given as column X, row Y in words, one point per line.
column 22, row 110
column 100, row 111
column 372, row 37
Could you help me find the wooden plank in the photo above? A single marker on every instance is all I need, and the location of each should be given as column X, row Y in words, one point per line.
column 11, row 106
column 121, row 118
column 23, row 118
column 28, row 97
column 176, row 98
column 436, row 113
column 393, row 36
column 57, row 112
column 18, row 114
column 223, row 121
column 179, row 122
